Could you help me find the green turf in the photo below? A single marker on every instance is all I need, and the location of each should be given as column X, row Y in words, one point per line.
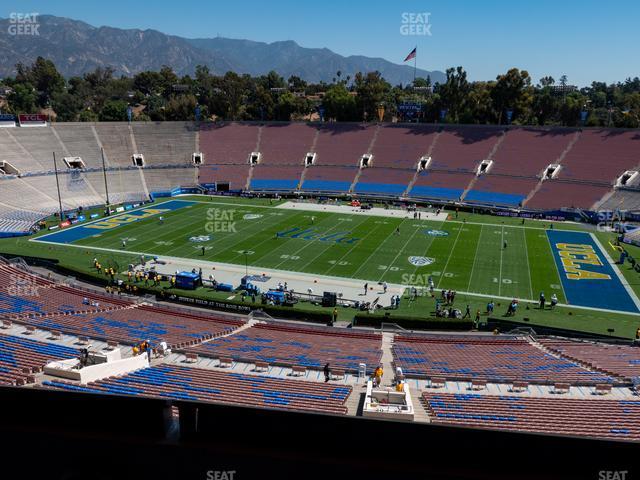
column 470, row 259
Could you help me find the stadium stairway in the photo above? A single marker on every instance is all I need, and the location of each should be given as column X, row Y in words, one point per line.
column 558, row 161
column 489, row 157
column 369, row 150
column 415, row 175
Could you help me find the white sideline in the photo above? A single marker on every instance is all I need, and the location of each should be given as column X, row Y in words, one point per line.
column 373, row 212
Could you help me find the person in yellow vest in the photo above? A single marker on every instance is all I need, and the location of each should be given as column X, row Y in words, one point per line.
column 400, row 386
column 377, row 374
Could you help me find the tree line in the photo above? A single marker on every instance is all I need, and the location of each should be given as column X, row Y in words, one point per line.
column 512, row 98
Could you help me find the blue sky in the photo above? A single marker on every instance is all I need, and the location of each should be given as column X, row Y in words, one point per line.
column 586, row 40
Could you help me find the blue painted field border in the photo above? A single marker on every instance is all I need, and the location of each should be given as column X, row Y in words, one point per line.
column 608, row 294
column 73, row 233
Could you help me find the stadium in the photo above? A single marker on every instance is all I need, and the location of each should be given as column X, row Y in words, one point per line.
column 228, row 292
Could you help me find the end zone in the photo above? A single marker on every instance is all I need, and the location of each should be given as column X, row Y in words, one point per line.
column 79, row 232
column 588, row 275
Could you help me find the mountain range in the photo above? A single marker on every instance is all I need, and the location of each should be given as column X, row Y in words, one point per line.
column 77, row 48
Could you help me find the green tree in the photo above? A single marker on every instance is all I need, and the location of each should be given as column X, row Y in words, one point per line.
column 43, row 76
column 372, row 89
column 513, row 90
column 339, row 104
column 114, row 111
column 22, row 99
column 454, row 92
column 67, row 106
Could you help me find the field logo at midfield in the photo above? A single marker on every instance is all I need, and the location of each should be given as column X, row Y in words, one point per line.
column 421, row 261
column 576, row 259
column 311, row 234
column 109, row 223
column 251, row 216
column 200, row 238
column 437, row 233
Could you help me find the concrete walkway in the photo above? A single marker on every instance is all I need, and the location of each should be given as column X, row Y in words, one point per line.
column 351, row 289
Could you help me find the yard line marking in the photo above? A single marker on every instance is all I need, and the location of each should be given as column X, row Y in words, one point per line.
column 515, row 226
column 526, row 255
column 366, row 261
column 330, row 245
column 250, row 226
column 351, row 249
column 475, row 258
column 501, row 251
column 444, row 270
column 557, row 269
column 429, row 245
column 399, row 252
column 333, row 278
column 267, row 239
column 310, row 242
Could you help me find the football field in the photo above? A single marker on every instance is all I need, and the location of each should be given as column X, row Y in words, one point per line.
column 508, row 260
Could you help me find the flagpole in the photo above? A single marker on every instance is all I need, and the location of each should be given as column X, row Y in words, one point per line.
column 415, row 62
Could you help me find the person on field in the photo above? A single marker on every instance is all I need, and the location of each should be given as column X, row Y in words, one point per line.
column 490, row 307
column 554, row 301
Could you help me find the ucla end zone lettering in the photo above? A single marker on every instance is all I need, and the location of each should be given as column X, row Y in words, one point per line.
column 114, row 222
column 80, row 232
column 587, row 277
column 576, row 260
column 312, row 234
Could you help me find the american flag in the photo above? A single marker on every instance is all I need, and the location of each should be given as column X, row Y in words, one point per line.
column 411, row 55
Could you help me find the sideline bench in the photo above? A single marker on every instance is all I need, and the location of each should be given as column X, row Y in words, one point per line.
column 519, row 386
column 561, row 388
column 225, row 362
column 298, row 370
column 603, row 389
column 191, row 358
column 438, row 382
column 478, row 384
column 261, row 367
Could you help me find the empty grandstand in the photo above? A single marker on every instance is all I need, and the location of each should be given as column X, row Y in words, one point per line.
column 183, row 383
column 435, row 164
column 618, row 420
